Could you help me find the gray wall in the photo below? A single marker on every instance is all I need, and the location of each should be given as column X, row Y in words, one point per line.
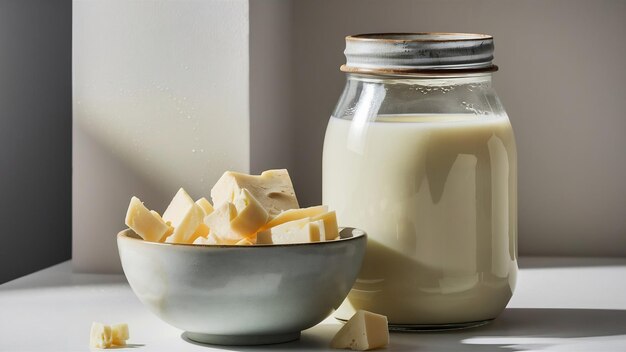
column 270, row 66
column 561, row 80
column 35, row 135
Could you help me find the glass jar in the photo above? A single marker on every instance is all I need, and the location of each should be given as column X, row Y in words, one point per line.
column 420, row 154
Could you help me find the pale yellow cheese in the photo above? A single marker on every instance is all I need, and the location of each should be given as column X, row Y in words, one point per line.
column 201, row 231
column 219, row 221
column 245, row 242
column 250, row 214
column 156, row 214
column 100, row 336
column 364, row 331
column 296, row 231
column 105, row 336
column 205, row 205
column 146, row 223
column 264, row 237
column 185, row 216
column 250, row 209
column 119, row 334
column 234, row 221
column 177, row 209
column 211, row 238
column 295, row 214
column 318, row 227
column 169, row 224
column 330, row 229
column 273, row 189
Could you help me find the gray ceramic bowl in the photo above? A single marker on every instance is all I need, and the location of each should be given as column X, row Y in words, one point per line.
column 242, row 295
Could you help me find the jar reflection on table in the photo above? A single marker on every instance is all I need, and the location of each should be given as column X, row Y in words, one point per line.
column 427, row 166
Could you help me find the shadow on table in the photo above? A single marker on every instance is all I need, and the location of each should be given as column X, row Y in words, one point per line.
column 524, row 329
column 517, row 329
column 127, row 346
column 307, row 342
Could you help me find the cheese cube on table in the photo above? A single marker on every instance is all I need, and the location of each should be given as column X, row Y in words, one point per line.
column 296, row 231
column 100, row 336
column 295, row 214
column 147, row 224
column 105, row 336
column 330, row 227
column 364, row 331
column 119, row 334
column 273, row 189
column 185, row 216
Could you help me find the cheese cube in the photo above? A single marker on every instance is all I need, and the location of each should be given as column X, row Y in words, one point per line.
column 232, row 222
column 264, row 237
column 211, row 238
column 145, row 223
column 296, row 231
column 119, row 334
column 156, row 214
column 201, row 231
column 295, row 214
column 245, row 242
column 330, row 228
column 100, row 336
column 250, row 214
column 364, row 331
column 205, row 205
column 318, row 226
column 273, row 189
column 178, row 207
column 185, row 216
column 219, row 221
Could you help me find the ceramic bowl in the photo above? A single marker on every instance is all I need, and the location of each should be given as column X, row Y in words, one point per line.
column 242, row 295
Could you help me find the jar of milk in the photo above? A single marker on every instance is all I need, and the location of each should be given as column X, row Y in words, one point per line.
column 420, row 154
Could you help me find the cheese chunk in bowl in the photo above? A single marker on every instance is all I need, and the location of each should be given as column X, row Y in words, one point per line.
column 242, row 295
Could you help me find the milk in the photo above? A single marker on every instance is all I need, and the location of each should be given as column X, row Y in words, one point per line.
column 437, row 197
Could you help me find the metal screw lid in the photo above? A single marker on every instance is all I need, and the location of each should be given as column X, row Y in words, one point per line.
column 407, row 53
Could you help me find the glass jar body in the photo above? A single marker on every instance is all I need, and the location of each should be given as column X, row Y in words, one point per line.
column 427, row 167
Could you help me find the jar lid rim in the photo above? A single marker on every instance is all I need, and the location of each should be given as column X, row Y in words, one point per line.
column 419, row 72
column 419, row 37
column 418, row 52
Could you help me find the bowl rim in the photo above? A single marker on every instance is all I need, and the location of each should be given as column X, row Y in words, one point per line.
column 124, row 234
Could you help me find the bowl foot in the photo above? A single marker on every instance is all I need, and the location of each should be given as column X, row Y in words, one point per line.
column 241, row 340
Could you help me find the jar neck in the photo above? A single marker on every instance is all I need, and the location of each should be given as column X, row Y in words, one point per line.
column 374, row 95
column 483, row 78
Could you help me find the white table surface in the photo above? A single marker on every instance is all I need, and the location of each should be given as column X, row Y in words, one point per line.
column 560, row 304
